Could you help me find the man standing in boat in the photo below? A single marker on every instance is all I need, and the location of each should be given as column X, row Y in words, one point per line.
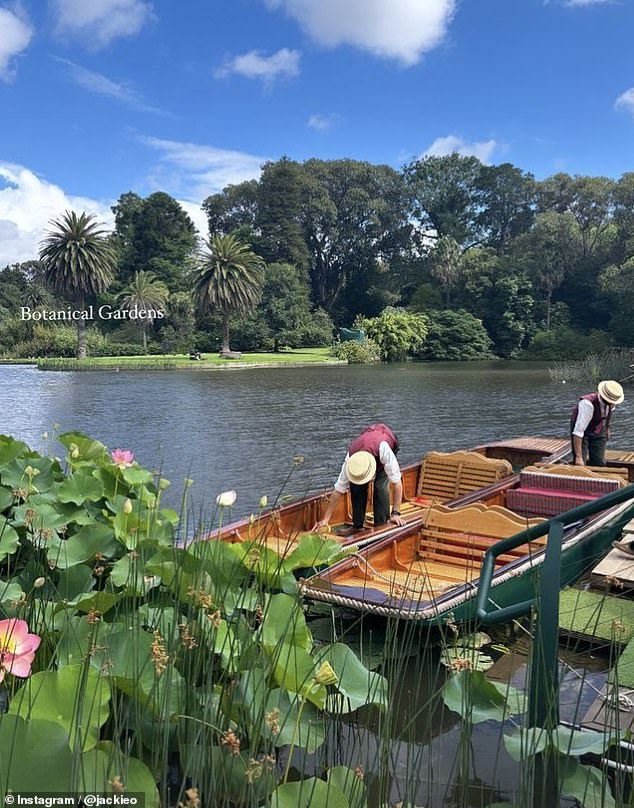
column 371, row 456
column 590, row 423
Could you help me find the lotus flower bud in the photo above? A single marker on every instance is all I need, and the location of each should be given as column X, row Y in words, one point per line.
column 264, row 501
column 226, row 499
column 38, row 583
column 326, row 675
column 127, row 506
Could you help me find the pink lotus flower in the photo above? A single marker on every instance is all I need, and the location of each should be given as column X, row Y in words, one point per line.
column 122, row 458
column 17, row 648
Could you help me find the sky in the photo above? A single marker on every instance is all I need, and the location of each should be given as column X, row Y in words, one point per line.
column 102, row 97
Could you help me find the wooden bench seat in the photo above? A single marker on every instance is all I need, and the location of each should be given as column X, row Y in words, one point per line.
column 448, row 475
column 462, row 536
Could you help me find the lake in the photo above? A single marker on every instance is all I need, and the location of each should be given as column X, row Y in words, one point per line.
column 241, row 429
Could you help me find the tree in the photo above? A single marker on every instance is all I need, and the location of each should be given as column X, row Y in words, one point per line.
column 507, row 197
column 354, row 219
column 227, row 280
column 549, row 250
column 445, row 196
column 154, row 235
column 144, row 294
column 79, row 262
column 285, row 305
column 445, row 264
column 278, row 219
column 233, row 209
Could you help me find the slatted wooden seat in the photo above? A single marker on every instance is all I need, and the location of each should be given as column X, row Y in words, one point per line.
column 448, row 475
column 460, row 537
column 607, row 472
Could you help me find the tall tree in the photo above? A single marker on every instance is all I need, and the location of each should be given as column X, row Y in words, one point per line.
column 445, row 264
column 147, row 295
column 233, row 209
column 444, row 196
column 154, row 235
column 507, row 198
column 355, row 223
column 549, row 251
column 228, row 279
column 281, row 192
column 79, row 262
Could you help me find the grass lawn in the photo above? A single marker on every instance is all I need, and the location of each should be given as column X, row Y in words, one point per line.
column 292, row 356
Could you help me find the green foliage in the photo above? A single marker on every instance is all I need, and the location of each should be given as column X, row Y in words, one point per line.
column 396, row 332
column 566, row 343
column 79, row 263
column 228, row 280
column 153, row 235
column 357, row 353
column 456, row 335
column 150, row 648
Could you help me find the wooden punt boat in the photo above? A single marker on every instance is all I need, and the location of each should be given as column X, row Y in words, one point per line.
column 451, row 478
column 429, row 571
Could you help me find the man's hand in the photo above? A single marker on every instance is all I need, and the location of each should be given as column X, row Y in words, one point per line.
column 318, row 527
column 397, row 520
column 579, row 461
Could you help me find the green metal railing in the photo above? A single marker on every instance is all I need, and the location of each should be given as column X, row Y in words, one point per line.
column 543, row 695
column 553, row 527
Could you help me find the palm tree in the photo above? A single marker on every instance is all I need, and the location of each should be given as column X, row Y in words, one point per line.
column 147, row 294
column 228, row 279
column 79, row 263
column 446, row 264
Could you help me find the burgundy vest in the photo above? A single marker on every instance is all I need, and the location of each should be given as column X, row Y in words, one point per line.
column 598, row 424
column 371, row 437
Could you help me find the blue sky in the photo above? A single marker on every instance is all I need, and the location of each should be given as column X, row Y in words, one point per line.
column 99, row 97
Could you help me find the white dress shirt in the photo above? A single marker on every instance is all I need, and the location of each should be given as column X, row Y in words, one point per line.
column 585, row 412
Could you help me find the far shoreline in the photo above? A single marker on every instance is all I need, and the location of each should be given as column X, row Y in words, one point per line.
column 295, row 357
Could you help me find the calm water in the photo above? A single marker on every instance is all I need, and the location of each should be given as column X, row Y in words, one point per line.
column 242, row 429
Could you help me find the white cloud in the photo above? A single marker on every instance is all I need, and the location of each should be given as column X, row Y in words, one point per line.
column 98, row 22
column 323, row 123
column 97, row 83
column 254, row 65
column 586, row 2
column 396, row 29
column 190, row 171
column 15, row 35
column 27, row 204
column 443, row 146
column 626, row 101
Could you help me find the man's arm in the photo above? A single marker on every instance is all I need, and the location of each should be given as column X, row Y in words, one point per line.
column 333, row 500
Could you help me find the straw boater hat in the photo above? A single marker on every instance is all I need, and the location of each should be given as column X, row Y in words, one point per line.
column 360, row 468
column 611, row 392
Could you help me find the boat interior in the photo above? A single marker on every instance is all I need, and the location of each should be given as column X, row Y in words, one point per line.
column 457, row 504
column 446, row 548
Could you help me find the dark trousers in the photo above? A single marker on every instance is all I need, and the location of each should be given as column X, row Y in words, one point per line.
column 359, row 497
column 593, row 450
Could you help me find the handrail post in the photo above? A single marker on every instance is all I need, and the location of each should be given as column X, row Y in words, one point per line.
column 543, row 705
column 543, row 695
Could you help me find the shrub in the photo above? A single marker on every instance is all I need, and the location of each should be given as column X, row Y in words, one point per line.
column 358, row 353
column 396, row 332
column 456, row 335
column 566, row 343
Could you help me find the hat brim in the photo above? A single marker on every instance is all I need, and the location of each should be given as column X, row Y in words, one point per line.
column 361, row 468
column 601, row 389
